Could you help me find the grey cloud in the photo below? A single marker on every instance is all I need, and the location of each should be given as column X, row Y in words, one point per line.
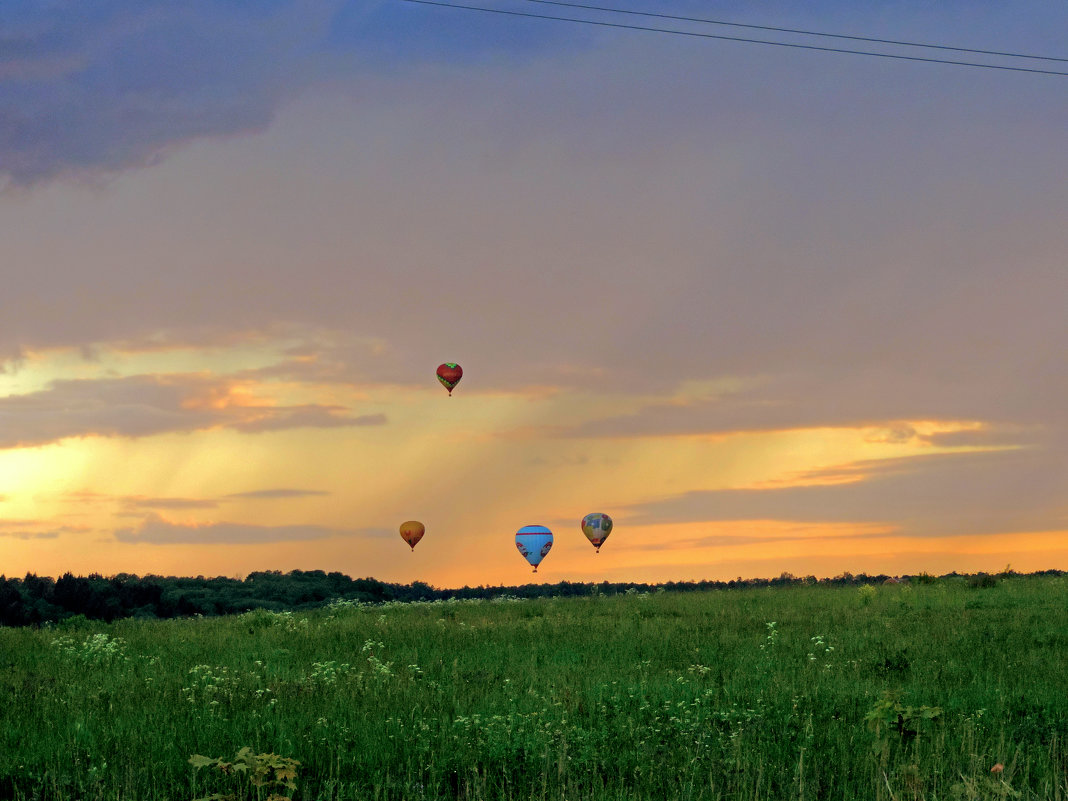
column 944, row 494
column 852, row 472
column 133, row 505
column 856, row 394
column 785, row 247
column 308, row 416
column 139, row 502
column 988, row 437
column 155, row 530
column 85, row 496
column 32, row 530
column 896, row 433
column 723, row 540
column 558, row 461
column 791, row 244
column 281, row 492
column 12, row 358
column 197, row 335
column 140, row 406
column 30, row 535
column 132, row 407
column 90, row 87
column 332, row 357
column 89, row 353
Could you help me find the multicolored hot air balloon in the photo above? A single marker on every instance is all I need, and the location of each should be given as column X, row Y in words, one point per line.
column 534, row 542
column 449, row 374
column 597, row 526
column 411, row 532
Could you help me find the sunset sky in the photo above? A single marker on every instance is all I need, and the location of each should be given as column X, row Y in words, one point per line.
column 771, row 309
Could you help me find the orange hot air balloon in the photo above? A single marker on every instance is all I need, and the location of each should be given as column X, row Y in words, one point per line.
column 411, row 532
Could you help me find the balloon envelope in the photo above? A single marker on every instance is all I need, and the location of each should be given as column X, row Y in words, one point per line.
column 534, row 542
column 412, row 531
column 597, row 526
column 449, row 374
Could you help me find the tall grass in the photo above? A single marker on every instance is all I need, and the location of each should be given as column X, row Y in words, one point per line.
column 891, row 692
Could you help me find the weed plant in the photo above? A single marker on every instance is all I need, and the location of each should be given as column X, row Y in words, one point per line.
column 891, row 692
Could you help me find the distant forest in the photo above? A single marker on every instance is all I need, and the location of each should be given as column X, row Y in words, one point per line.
column 36, row 600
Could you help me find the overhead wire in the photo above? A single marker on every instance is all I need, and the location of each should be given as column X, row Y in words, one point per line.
column 706, row 21
column 702, row 35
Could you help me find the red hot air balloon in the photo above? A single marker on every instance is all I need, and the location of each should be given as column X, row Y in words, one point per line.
column 449, row 374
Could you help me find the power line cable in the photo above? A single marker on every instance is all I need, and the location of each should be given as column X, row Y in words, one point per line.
column 735, row 38
column 794, row 30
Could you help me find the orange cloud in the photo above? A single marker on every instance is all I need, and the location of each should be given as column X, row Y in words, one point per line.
column 138, row 406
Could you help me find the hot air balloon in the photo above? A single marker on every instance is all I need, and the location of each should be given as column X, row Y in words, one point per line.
column 411, row 532
column 597, row 526
column 534, row 542
column 449, row 374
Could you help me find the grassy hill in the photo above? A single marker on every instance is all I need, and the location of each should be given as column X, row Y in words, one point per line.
column 803, row 692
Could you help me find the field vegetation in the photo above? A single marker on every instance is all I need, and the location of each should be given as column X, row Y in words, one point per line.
column 946, row 689
column 37, row 600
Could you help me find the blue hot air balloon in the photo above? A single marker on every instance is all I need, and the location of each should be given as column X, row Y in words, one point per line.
column 534, row 542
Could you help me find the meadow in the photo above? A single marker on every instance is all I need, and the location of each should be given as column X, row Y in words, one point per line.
column 935, row 690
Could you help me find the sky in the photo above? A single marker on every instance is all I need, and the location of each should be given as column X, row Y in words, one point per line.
column 772, row 309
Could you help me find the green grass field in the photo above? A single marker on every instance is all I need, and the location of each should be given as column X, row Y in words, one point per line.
column 887, row 692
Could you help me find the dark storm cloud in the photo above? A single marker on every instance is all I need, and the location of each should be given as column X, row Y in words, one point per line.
column 630, row 217
column 155, row 530
column 139, row 406
column 99, row 87
column 88, row 87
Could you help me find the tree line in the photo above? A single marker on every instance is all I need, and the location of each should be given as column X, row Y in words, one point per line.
column 35, row 600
